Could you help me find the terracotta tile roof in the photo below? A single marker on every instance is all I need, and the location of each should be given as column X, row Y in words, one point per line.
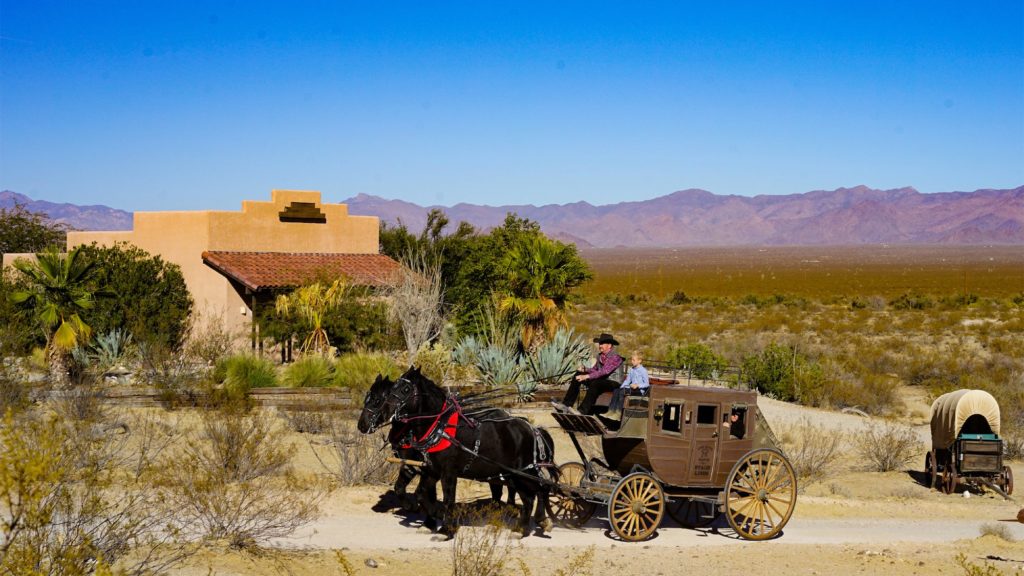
column 265, row 270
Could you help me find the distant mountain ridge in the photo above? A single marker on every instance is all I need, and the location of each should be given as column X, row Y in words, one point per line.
column 858, row 215
column 94, row 217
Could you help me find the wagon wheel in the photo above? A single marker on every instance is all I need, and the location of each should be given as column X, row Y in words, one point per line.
column 929, row 469
column 566, row 509
column 692, row 513
column 1007, row 480
column 636, row 507
column 760, row 494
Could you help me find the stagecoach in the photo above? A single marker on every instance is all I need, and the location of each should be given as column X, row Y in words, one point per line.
column 966, row 447
column 677, row 452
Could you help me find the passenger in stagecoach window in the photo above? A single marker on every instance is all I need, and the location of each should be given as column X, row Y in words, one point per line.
column 606, row 375
column 735, row 424
column 637, row 383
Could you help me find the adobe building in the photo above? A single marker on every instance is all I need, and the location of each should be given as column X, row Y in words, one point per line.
column 235, row 261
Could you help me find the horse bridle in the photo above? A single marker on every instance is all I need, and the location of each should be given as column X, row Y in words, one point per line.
column 400, row 396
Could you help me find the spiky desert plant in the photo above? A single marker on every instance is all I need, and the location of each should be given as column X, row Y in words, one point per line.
column 554, row 361
column 312, row 303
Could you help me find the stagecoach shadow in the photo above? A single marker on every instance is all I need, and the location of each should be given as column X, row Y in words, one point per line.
column 920, row 478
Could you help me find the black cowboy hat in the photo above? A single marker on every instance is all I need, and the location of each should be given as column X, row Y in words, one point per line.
column 606, row 338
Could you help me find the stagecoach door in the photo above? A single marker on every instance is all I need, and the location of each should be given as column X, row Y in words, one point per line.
column 704, row 453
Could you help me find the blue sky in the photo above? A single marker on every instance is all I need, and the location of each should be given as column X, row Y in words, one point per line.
column 193, row 105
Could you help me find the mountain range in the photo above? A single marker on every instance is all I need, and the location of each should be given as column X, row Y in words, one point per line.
column 858, row 215
column 92, row 217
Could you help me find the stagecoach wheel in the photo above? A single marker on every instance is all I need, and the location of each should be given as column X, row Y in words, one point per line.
column 691, row 513
column 565, row 509
column 1007, row 480
column 929, row 469
column 950, row 480
column 760, row 494
column 636, row 507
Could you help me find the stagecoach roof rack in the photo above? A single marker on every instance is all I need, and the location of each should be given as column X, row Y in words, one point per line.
column 729, row 377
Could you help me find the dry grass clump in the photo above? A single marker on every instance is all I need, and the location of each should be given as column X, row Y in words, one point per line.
column 484, row 547
column 234, row 482
column 888, row 446
column 1001, row 531
column 814, row 452
column 352, row 458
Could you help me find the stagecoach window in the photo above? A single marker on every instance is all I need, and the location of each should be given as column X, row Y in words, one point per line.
column 707, row 414
column 670, row 421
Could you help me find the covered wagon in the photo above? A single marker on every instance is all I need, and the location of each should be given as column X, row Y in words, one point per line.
column 966, row 447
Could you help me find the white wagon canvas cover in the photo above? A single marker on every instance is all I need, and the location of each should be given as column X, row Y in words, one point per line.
column 950, row 411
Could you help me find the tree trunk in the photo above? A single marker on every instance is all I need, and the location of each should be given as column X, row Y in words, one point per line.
column 60, row 368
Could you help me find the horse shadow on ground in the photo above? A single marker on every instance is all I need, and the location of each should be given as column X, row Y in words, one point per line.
column 479, row 512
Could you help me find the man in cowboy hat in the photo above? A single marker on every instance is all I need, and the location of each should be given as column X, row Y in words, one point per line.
column 605, row 376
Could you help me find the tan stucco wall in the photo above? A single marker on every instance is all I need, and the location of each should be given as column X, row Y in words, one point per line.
column 181, row 238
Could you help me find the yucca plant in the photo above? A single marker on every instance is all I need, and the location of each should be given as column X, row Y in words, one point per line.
column 312, row 304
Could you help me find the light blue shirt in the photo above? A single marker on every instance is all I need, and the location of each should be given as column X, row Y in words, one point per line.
column 638, row 376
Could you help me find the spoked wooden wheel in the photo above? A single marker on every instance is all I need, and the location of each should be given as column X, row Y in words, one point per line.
column 760, row 494
column 565, row 509
column 691, row 513
column 949, row 480
column 1007, row 480
column 636, row 507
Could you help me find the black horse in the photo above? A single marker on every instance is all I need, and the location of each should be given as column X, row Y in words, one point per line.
column 488, row 445
column 425, row 498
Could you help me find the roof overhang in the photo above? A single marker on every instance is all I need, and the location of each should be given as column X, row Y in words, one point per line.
column 259, row 271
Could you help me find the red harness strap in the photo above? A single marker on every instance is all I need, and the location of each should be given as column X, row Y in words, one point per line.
column 450, row 429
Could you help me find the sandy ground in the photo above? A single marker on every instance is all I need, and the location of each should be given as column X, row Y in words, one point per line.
column 854, row 522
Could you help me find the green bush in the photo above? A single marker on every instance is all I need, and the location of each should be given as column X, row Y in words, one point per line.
column 358, row 370
column 782, row 372
column 152, row 301
column 245, row 372
column 307, row 372
column 911, row 301
column 699, row 359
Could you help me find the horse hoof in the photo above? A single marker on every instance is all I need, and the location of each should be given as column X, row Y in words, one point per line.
column 546, row 525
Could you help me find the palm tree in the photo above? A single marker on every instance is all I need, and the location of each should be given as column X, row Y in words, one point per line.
column 59, row 292
column 540, row 274
column 312, row 304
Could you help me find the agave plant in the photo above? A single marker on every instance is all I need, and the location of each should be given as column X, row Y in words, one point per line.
column 111, row 349
column 555, row 361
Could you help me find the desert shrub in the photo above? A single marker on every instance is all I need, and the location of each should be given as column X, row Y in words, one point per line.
column 958, row 300
column 555, row 361
column 307, row 420
column 679, row 297
column 814, row 451
column 911, row 301
column 353, row 458
column 358, row 370
column 82, row 403
column 13, row 390
column 209, row 340
column 362, row 324
column 112, row 349
column 699, row 359
column 59, row 515
column 243, row 493
column 241, row 446
column 783, row 372
column 435, row 362
column 887, row 447
column 1001, row 531
column 171, row 373
column 307, row 372
column 482, row 549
